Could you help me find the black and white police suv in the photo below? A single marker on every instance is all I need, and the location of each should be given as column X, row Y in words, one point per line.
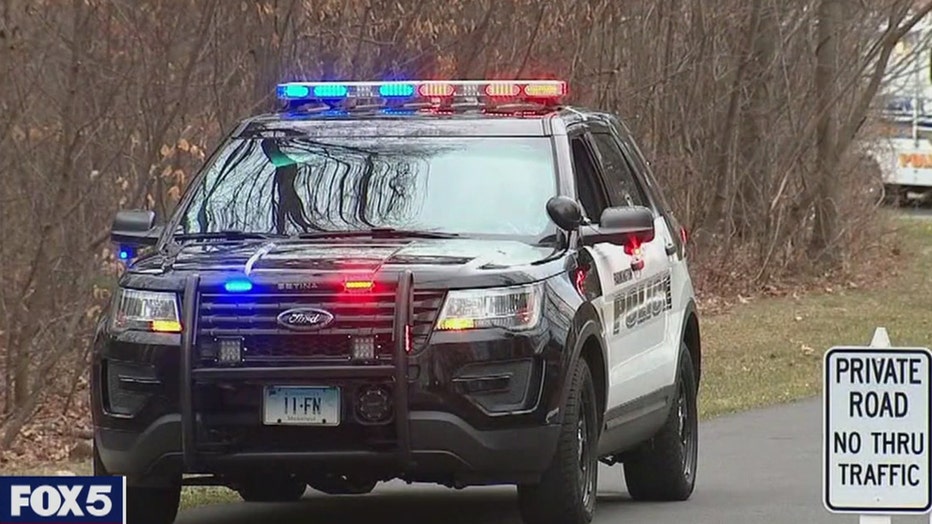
column 464, row 283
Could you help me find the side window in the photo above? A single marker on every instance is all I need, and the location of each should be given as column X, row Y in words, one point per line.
column 591, row 195
column 636, row 156
column 622, row 185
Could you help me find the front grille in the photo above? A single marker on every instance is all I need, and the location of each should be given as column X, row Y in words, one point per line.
column 253, row 317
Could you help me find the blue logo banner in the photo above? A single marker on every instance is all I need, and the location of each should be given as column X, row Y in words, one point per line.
column 72, row 500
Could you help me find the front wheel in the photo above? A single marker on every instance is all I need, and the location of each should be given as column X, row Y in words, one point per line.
column 664, row 468
column 567, row 490
column 146, row 505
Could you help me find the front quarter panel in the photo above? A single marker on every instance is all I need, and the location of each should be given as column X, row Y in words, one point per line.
column 585, row 325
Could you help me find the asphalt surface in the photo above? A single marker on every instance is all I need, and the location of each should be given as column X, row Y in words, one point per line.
column 757, row 467
column 918, row 211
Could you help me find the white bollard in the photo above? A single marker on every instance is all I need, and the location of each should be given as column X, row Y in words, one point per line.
column 881, row 338
column 875, row 519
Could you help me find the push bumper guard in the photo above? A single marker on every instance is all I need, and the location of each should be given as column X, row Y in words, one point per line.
column 194, row 461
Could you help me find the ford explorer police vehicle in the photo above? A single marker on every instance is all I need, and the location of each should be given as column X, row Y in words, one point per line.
column 462, row 282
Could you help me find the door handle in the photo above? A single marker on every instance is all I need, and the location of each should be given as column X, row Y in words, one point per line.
column 671, row 249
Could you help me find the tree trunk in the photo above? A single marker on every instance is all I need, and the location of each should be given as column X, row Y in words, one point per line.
column 825, row 226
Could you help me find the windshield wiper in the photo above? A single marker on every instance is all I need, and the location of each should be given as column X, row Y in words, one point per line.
column 384, row 232
column 174, row 244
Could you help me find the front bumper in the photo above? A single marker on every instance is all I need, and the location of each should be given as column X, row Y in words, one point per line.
column 444, row 448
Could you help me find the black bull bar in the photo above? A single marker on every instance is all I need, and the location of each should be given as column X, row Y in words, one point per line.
column 398, row 371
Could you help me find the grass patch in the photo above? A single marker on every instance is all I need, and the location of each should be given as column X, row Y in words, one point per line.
column 770, row 351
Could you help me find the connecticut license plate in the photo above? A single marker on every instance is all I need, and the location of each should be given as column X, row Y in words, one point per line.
column 301, row 406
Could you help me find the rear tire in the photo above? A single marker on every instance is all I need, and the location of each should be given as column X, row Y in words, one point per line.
column 567, row 490
column 146, row 505
column 664, row 468
column 285, row 489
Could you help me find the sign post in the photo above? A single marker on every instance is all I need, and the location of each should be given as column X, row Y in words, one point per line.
column 877, row 430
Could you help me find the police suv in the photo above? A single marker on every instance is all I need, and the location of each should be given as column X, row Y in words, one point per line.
column 462, row 282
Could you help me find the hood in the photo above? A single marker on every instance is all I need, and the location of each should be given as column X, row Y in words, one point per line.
column 450, row 257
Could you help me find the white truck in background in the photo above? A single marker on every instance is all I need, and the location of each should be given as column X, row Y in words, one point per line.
column 903, row 151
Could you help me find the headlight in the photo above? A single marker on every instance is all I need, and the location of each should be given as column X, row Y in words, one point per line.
column 145, row 311
column 515, row 308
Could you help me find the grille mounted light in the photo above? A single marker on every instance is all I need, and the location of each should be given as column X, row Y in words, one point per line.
column 363, row 348
column 230, row 351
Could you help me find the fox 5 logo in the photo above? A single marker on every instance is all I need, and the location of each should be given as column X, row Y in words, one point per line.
column 72, row 500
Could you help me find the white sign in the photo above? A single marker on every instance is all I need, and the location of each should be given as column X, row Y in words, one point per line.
column 877, row 430
column 903, row 161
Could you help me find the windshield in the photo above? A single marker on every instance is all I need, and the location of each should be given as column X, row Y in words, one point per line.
column 477, row 186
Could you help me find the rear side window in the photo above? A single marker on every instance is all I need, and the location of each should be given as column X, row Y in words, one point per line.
column 640, row 164
column 619, row 178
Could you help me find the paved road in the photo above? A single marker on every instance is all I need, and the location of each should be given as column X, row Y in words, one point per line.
column 919, row 212
column 757, row 467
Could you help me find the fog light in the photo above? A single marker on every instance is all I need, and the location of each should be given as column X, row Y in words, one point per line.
column 231, row 351
column 363, row 348
column 374, row 404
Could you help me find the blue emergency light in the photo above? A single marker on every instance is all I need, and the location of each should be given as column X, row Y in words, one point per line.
column 126, row 253
column 429, row 91
column 238, row 285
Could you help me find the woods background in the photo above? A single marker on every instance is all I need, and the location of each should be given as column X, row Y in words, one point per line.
column 751, row 111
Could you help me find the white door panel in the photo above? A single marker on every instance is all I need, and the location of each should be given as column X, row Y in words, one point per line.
column 637, row 304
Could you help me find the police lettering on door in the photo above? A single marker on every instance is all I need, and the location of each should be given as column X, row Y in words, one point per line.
column 645, row 301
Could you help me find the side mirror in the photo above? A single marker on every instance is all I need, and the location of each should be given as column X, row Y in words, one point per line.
column 134, row 228
column 565, row 213
column 630, row 225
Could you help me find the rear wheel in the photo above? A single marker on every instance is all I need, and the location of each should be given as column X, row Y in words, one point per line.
column 342, row 485
column 286, row 489
column 146, row 505
column 566, row 492
column 664, row 468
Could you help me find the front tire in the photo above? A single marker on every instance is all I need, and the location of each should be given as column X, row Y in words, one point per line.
column 146, row 505
column 664, row 468
column 567, row 490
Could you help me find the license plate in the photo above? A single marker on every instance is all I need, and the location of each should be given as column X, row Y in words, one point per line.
column 301, row 406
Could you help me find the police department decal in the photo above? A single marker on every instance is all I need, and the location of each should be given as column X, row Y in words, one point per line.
column 646, row 301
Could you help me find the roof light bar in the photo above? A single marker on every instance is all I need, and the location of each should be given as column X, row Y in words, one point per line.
column 425, row 90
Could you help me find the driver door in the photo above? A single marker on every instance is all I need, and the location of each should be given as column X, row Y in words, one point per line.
column 635, row 303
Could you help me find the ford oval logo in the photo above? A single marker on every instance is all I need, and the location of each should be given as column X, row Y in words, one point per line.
column 305, row 319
